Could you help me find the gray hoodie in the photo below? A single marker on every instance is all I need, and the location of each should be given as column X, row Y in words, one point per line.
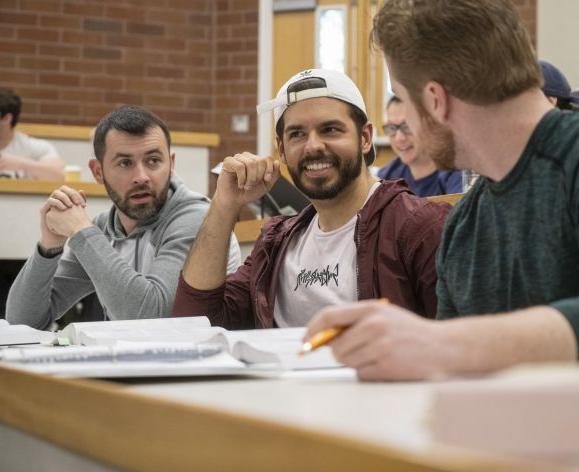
column 133, row 276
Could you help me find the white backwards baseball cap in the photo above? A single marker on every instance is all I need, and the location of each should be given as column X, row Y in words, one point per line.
column 332, row 84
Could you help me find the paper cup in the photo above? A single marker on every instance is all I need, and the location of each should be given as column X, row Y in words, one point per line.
column 72, row 174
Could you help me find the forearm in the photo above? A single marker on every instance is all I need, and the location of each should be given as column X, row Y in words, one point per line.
column 486, row 343
column 125, row 291
column 206, row 265
column 46, row 169
column 29, row 300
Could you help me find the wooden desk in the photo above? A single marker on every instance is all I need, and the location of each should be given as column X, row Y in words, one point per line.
column 20, row 203
column 296, row 422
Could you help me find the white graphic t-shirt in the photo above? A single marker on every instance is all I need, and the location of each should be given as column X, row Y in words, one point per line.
column 319, row 269
column 29, row 147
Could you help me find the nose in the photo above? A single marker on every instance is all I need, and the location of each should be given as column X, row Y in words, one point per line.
column 140, row 175
column 314, row 144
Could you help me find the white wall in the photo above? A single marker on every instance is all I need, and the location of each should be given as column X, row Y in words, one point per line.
column 558, row 36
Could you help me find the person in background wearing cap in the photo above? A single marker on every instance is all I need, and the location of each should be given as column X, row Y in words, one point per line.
column 508, row 290
column 556, row 87
column 417, row 169
column 20, row 155
column 359, row 238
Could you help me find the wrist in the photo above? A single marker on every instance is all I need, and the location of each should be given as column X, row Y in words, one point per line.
column 79, row 228
column 49, row 252
column 452, row 354
column 225, row 208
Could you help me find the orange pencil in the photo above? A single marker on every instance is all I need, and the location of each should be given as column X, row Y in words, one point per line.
column 325, row 336
column 319, row 339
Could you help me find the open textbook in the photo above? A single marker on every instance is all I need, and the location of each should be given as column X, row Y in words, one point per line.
column 22, row 334
column 92, row 333
column 169, row 347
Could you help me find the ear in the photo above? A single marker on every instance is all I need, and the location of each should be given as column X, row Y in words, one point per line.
column 7, row 119
column 172, row 157
column 436, row 100
column 96, row 169
column 280, row 149
column 366, row 137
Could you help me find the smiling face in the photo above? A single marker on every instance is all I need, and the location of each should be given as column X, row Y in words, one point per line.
column 431, row 139
column 136, row 171
column 322, row 147
column 402, row 143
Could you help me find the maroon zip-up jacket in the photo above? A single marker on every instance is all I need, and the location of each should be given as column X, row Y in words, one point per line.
column 397, row 235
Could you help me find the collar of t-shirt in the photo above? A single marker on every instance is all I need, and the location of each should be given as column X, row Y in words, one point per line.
column 319, row 270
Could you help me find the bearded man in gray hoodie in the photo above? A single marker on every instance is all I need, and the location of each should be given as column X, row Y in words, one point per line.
column 129, row 257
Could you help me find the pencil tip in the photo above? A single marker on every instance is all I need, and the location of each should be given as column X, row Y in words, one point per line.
column 307, row 347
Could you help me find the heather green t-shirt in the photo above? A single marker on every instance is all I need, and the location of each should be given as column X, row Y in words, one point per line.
column 515, row 243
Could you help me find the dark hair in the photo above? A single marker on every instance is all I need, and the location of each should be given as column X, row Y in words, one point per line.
column 358, row 116
column 129, row 119
column 10, row 103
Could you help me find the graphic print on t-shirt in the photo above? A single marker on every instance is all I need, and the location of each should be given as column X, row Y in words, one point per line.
column 322, row 277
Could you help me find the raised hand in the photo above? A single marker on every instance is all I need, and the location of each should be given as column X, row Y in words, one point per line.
column 244, row 178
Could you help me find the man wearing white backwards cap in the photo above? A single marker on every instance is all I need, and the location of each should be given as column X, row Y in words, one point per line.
column 359, row 238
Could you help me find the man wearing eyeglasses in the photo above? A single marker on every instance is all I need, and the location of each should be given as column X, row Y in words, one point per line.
column 418, row 170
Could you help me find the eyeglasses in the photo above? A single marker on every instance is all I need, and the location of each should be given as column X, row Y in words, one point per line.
column 390, row 130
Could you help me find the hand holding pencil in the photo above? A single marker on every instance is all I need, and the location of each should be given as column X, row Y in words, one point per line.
column 321, row 338
column 381, row 341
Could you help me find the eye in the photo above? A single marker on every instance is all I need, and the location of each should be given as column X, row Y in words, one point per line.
column 295, row 134
column 154, row 161
column 331, row 129
column 125, row 163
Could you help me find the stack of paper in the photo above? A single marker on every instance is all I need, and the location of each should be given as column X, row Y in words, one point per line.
column 100, row 350
column 21, row 334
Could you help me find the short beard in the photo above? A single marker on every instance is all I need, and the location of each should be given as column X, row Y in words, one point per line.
column 437, row 142
column 348, row 172
column 142, row 212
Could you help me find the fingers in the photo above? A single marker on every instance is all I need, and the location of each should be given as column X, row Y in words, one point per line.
column 250, row 170
column 362, row 341
column 66, row 197
column 343, row 315
column 274, row 166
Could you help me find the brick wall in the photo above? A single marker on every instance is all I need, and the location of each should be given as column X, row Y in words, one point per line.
column 194, row 62
column 236, row 32
column 236, row 71
column 528, row 11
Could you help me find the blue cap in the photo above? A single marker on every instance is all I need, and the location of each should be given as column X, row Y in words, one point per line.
column 556, row 84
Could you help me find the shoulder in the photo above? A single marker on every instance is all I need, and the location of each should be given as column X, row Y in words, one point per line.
column 556, row 137
column 393, row 169
column 281, row 225
column 400, row 212
column 394, row 198
column 184, row 201
column 33, row 145
column 101, row 219
column 464, row 212
column 451, row 181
